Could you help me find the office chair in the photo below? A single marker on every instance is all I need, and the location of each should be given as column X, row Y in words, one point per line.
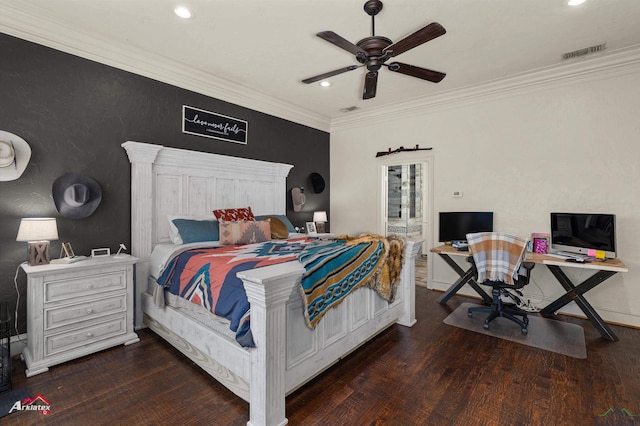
column 496, row 260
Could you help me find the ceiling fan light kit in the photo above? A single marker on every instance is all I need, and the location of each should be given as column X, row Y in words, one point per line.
column 373, row 53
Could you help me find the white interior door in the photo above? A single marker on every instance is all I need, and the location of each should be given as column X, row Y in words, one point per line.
column 406, row 192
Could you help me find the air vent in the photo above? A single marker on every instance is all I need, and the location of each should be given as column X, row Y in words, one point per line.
column 349, row 109
column 585, row 51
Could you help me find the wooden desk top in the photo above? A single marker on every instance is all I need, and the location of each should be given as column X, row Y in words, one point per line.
column 615, row 265
column 445, row 249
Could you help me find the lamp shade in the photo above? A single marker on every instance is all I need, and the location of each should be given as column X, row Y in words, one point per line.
column 37, row 229
column 319, row 216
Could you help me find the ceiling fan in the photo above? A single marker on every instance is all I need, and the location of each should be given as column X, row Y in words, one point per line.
column 373, row 52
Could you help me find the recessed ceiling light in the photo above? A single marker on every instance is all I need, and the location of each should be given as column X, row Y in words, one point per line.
column 325, row 84
column 575, row 2
column 182, row 12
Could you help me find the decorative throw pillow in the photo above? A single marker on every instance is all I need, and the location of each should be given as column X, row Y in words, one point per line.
column 244, row 232
column 192, row 231
column 234, row 215
column 283, row 219
column 174, row 233
column 279, row 230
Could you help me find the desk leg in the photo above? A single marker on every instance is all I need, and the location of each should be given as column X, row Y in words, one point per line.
column 574, row 293
column 466, row 277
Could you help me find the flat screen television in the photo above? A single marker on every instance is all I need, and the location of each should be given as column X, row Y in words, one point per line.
column 581, row 232
column 454, row 226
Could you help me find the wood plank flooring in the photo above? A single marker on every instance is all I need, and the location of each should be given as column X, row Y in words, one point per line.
column 430, row 374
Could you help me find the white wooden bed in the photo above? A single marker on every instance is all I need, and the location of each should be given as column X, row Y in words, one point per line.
column 169, row 181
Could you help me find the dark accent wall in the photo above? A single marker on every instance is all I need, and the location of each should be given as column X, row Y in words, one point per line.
column 75, row 114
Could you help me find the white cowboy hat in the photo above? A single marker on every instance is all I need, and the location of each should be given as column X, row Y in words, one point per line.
column 15, row 154
column 298, row 198
column 76, row 196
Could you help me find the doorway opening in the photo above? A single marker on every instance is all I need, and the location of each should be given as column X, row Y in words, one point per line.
column 406, row 203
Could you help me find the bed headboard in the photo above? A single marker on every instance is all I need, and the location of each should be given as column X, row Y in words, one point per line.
column 170, row 181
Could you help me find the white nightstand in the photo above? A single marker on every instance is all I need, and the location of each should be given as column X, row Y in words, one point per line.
column 78, row 309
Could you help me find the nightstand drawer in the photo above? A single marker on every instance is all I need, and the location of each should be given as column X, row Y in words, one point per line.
column 57, row 343
column 60, row 316
column 84, row 285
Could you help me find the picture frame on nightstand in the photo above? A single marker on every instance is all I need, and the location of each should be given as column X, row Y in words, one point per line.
column 311, row 228
column 67, row 249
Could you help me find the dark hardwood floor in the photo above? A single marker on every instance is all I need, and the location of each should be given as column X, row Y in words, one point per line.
column 430, row 374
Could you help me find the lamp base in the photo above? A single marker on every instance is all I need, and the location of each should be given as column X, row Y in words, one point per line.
column 320, row 227
column 38, row 253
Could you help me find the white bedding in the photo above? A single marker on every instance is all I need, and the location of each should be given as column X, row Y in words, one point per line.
column 163, row 252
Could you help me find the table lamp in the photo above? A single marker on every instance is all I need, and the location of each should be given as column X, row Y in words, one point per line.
column 37, row 232
column 320, row 218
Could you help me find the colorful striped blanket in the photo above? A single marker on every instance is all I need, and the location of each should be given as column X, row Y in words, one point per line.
column 335, row 269
column 207, row 276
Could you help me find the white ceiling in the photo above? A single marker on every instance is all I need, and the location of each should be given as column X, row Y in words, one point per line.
column 264, row 48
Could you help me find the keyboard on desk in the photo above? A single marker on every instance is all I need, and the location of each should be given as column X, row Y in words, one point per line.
column 571, row 255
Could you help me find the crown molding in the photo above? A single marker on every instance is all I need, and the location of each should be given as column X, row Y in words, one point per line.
column 606, row 65
column 28, row 23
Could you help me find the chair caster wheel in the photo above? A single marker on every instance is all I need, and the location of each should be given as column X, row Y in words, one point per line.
column 486, row 325
column 525, row 331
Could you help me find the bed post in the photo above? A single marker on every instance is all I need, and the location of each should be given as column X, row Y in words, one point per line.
column 141, row 156
column 268, row 290
column 408, row 314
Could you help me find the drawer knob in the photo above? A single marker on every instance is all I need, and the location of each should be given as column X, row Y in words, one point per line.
column 89, row 311
column 89, row 285
column 89, row 334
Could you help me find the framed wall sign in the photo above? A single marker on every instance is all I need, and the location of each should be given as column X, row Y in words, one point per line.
column 199, row 122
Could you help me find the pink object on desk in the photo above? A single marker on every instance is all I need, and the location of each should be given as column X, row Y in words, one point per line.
column 540, row 245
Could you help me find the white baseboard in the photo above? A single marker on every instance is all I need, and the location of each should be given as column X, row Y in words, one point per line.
column 18, row 343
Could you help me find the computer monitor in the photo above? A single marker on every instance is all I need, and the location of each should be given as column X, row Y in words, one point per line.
column 454, row 226
column 581, row 232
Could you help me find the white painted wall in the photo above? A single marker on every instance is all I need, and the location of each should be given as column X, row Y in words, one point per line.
column 572, row 145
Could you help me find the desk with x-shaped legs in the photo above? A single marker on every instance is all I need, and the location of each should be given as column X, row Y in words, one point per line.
column 574, row 293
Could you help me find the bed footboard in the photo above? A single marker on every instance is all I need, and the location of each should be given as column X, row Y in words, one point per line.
column 279, row 364
column 268, row 290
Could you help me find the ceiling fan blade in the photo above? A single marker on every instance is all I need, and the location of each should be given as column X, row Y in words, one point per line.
column 421, row 36
column 370, row 85
column 343, row 43
column 330, row 74
column 413, row 71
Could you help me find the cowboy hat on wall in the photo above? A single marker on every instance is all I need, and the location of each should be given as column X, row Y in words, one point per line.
column 76, row 196
column 15, row 154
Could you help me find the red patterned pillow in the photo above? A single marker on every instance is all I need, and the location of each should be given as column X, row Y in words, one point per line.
column 234, row 215
column 244, row 232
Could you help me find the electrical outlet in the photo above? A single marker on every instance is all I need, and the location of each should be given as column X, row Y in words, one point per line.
column 456, row 194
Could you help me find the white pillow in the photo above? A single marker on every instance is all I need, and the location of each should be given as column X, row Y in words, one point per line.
column 174, row 235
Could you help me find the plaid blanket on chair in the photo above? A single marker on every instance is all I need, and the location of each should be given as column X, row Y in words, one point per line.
column 497, row 256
